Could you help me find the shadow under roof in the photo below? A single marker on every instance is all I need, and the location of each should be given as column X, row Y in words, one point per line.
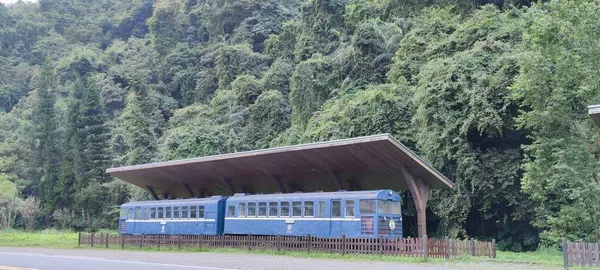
column 363, row 163
column 594, row 112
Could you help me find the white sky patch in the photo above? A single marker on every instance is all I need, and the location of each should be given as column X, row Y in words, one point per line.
column 14, row 1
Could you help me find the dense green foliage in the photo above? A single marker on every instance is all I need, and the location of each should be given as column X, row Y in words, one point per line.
column 492, row 93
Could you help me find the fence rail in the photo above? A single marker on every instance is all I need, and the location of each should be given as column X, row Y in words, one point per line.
column 410, row 247
column 580, row 253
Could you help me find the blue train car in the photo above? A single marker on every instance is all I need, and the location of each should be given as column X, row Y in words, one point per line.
column 185, row 216
column 365, row 214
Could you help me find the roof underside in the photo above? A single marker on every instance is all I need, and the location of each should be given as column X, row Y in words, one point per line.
column 365, row 163
column 594, row 112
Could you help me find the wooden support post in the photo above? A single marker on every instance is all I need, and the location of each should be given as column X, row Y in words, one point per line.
column 200, row 241
column 92, row 241
column 189, row 190
column 152, row 192
column 308, row 243
column 79, row 239
column 279, row 242
column 158, row 241
column 447, row 247
column 343, row 244
column 222, row 237
column 142, row 241
column 419, row 191
column 472, row 247
column 179, row 242
column 249, row 241
column 494, row 248
column 425, row 248
column 106, row 241
column 380, row 245
column 122, row 241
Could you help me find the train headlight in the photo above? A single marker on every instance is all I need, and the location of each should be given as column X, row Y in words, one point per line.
column 392, row 224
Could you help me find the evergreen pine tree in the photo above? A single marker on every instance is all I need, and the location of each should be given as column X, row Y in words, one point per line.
column 47, row 157
column 135, row 121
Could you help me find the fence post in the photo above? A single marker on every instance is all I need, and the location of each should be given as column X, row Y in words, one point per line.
column 565, row 253
column 79, row 239
column 425, row 247
column 447, row 247
column 179, row 242
column 142, row 241
column 343, row 244
column 472, row 247
column 92, row 241
column 249, row 241
column 222, row 237
column 122, row 241
column 494, row 248
column 158, row 241
column 106, row 242
column 279, row 242
column 380, row 245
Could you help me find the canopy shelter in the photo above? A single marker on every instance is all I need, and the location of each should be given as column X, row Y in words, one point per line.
column 594, row 112
column 363, row 163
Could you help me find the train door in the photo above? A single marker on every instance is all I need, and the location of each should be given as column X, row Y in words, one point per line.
column 336, row 218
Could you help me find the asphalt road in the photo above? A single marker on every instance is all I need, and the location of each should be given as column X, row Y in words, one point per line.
column 37, row 258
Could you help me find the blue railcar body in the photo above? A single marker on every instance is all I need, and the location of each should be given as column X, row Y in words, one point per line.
column 364, row 214
column 172, row 217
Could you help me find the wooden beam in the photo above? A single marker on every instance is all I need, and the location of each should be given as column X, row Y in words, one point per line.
column 419, row 190
column 336, row 179
column 279, row 183
column 227, row 182
column 189, row 190
column 151, row 190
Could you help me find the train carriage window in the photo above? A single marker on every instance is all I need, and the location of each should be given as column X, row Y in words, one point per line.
column 367, row 207
column 296, row 209
column 153, row 213
column 242, row 210
column 160, row 213
column 285, row 209
column 350, row 208
column 322, row 207
column 262, row 209
column 395, row 208
column 309, row 209
column 176, row 212
column 144, row 213
column 251, row 209
column 184, row 212
column 168, row 213
column 123, row 214
column 272, row 209
column 193, row 212
column 138, row 213
column 336, row 208
column 201, row 211
column 231, row 211
column 130, row 213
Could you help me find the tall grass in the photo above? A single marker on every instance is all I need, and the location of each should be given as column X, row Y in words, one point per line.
column 50, row 238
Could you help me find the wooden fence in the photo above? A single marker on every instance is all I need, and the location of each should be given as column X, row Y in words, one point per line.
column 580, row 253
column 411, row 247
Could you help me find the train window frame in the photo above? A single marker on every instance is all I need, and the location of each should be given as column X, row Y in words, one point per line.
column 306, row 208
column 130, row 213
column 201, row 213
column 185, row 214
column 286, row 207
column 349, row 205
column 168, row 212
column 322, row 212
column 273, row 206
column 296, row 205
column 335, row 203
column 367, row 206
column 231, row 211
column 138, row 213
column 123, row 213
column 144, row 213
column 262, row 206
column 251, row 212
column 176, row 212
column 242, row 209
column 193, row 212
column 152, row 213
column 160, row 213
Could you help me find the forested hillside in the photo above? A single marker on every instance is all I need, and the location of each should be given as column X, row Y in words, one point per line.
column 492, row 93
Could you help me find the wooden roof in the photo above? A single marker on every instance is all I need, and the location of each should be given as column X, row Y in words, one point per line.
column 594, row 112
column 363, row 163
